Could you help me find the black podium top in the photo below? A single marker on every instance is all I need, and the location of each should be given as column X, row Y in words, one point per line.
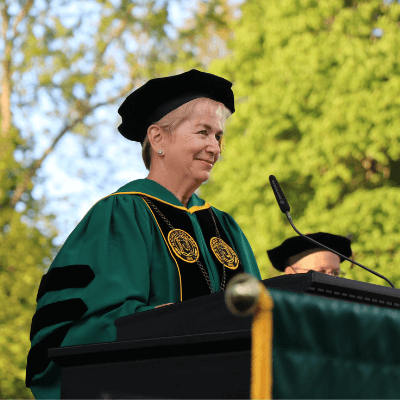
column 207, row 318
column 209, row 313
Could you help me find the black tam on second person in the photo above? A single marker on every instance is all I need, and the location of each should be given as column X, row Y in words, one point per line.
column 297, row 244
column 160, row 96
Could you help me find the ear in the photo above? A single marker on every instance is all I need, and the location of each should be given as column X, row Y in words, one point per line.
column 156, row 137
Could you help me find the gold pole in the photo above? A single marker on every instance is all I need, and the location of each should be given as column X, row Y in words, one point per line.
column 245, row 295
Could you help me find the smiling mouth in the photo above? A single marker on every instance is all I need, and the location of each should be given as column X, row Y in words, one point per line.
column 207, row 162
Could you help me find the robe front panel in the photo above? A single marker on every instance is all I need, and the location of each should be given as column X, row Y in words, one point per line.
column 176, row 227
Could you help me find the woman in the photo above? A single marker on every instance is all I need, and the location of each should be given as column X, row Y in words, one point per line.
column 153, row 242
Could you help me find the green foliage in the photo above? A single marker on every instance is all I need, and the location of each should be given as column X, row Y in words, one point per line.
column 26, row 249
column 316, row 90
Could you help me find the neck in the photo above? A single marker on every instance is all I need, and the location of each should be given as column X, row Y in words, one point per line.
column 182, row 189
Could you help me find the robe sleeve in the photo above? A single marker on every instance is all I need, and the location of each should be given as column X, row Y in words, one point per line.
column 101, row 273
column 240, row 243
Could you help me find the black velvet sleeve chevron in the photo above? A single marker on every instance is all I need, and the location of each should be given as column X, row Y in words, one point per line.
column 55, row 313
column 68, row 277
column 37, row 360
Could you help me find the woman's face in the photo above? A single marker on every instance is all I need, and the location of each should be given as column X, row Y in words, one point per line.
column 194, row 146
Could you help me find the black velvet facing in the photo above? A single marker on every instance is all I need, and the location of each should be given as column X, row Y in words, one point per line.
column 55, row 313
column 205, row 220
column 68, row 277
column 37, row 360
column 194, row 283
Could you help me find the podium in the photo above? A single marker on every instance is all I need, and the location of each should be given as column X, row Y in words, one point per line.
column 192, row 349
column 322, row 347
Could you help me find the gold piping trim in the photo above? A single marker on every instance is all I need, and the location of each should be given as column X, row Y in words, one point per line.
column 199, row 208
column 179, row 272
column 191, row 209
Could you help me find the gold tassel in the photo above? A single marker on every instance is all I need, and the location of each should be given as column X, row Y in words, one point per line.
column 245, row 296
column 261, row 347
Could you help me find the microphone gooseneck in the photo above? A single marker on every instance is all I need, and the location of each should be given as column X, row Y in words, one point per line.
column 285, row 208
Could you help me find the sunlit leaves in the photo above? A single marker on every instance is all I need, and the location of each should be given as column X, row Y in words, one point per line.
column 318, row 91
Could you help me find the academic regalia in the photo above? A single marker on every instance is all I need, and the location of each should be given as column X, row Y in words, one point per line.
column 122, row 259
column 296, row 248
column 159, row 96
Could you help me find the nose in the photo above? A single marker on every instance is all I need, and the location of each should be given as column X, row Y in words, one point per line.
column 213, row 147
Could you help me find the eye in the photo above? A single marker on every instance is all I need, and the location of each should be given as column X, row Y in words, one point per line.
column 219, row 137
column 205, row 132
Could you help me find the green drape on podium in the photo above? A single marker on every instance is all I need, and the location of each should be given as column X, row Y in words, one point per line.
column 325, row 348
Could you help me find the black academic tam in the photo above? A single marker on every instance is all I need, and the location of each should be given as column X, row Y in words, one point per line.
column 297, row 244
column 160, row 96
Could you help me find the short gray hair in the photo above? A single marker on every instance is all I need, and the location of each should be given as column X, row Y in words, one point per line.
column 170, row 121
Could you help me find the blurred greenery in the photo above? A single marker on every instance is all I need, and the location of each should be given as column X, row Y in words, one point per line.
column 60, row 63
column 317, row 96
column 24, row 247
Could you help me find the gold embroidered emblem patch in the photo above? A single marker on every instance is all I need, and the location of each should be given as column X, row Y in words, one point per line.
column 183, row 245
column 225, row 254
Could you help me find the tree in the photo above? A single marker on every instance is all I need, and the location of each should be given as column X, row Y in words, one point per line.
column 63, row 65
column 316, row 86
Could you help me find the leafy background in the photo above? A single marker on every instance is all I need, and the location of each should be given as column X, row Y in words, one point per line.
column 316, row 85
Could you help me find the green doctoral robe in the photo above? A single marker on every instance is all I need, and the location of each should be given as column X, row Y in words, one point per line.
column 124, row 258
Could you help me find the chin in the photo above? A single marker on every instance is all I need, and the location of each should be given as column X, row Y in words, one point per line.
column 203, row 177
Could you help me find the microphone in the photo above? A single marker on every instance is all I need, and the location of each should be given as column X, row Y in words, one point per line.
column 285, row 208
column 280, row 197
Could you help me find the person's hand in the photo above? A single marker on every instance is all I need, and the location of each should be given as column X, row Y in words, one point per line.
column 162, row 305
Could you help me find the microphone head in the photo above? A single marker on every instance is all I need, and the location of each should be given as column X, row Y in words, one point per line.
column 280, row 197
